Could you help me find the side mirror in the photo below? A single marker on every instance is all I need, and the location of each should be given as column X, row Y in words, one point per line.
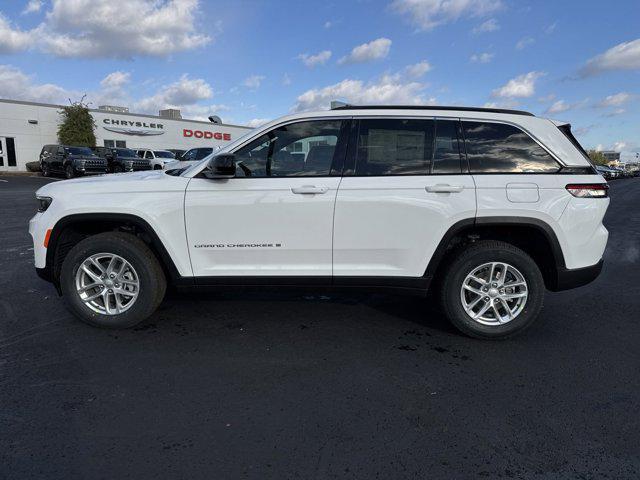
column 221, row 166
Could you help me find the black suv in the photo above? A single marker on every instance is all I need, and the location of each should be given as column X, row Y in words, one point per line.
column 122, row 159
column 71, row 161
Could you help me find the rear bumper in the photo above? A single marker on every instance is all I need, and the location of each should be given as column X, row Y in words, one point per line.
column 568, row 278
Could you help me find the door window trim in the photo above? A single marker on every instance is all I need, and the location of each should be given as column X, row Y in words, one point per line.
column 352, row 150
column 337, row 164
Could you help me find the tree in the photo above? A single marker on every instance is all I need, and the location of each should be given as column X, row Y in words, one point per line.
column 77, row 127
column 597, row 157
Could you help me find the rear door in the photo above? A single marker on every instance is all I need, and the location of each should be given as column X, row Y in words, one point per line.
column 403, row 189
column 275, row 218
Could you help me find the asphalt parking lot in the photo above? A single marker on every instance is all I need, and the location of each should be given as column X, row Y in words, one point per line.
column 227, row 386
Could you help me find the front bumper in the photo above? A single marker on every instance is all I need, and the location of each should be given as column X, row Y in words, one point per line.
column 568, row 278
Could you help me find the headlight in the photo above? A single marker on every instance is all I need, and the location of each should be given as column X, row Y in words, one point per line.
column 43, row 203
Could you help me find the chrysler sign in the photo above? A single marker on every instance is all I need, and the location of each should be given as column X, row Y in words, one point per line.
column 127, row 127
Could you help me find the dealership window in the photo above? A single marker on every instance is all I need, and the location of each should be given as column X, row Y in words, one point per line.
column 115, row 143
column 394, row 147
column 502, row 148
column 446, row 156
column 271, row 154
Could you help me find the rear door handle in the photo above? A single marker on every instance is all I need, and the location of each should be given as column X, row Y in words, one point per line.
column 309, row 190
column 444, row 188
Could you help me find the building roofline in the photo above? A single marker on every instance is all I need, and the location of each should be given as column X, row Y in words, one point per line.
column 52, row 105
column 433, row 107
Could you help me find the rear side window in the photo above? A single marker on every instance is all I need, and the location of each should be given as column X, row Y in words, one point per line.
column 394, row 147
column 501, row 148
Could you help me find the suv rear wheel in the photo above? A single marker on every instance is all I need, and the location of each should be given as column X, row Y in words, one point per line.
column 112, row 280
column 69, row 172
column 492, row 290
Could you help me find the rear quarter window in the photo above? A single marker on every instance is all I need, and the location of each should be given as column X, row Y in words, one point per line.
column 501, row 148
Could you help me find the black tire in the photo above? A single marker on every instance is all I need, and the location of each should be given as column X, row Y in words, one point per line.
column 45, row 170
column 151, row 277
column 69, row 171
column 472, row 257
column 118, row 169
column 157, row 167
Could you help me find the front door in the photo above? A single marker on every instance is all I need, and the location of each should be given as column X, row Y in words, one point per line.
column 405, row 186
column 275, row 218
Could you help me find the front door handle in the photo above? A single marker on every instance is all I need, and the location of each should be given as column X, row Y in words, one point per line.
column 444, row 188
column 309, row 190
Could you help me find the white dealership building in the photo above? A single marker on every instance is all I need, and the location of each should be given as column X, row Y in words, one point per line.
column 25, row 127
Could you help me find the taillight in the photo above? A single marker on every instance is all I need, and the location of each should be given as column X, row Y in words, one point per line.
column 588, row 190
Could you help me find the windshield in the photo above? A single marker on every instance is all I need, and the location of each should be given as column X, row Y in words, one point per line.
column 78, row 150
column 163, row 154
column 125, row 152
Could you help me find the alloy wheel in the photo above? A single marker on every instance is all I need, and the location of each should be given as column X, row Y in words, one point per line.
column 494, row 293
column 107, row 283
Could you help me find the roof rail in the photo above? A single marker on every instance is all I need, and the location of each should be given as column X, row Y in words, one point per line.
column 431, row 107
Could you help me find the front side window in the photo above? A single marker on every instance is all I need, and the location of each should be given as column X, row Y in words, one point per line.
column 148, row 154
column 303, row 149
column 394, row 147
column 501, row 148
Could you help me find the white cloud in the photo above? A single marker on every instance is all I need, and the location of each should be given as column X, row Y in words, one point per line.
column 17, row 85
column 524, row 43
column 616, row 112
column 428, row 14
column 12, row 40
column 314, row 60
column 111, row 28
column 484, row 57
column 286, row 80
column 179, row 94
column 619, row 146
column 116, row 79
column 523, row 86
column 551, row 28
column 256, row 122
column 490, row 25
column 253, row 81
column 417, row 70
column 616, row 100
column 559, row 107
column 33, row 6
column 389, row 89
column 624, row 56
column 374, row 50
column 328, row 24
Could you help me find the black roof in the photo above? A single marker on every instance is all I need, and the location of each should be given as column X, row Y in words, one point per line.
column 433, row 107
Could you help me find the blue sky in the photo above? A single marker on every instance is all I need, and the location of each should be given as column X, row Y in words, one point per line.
column 250, row 61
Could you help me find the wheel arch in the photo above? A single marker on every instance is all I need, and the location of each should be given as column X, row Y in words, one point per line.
column 70, row 229
column 532, row 235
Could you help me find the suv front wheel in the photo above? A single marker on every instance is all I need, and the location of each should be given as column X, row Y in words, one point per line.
column 112, row 280
column 492, row 290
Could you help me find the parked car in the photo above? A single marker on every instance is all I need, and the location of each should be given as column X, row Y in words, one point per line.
column 71, row 161
column 190, row 157
column 369, row 197
column 157, row 158
column 123, row 159
column 176, row 152
column 604, row 171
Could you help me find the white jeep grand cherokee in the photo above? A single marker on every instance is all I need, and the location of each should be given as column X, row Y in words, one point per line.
column 489, row 207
